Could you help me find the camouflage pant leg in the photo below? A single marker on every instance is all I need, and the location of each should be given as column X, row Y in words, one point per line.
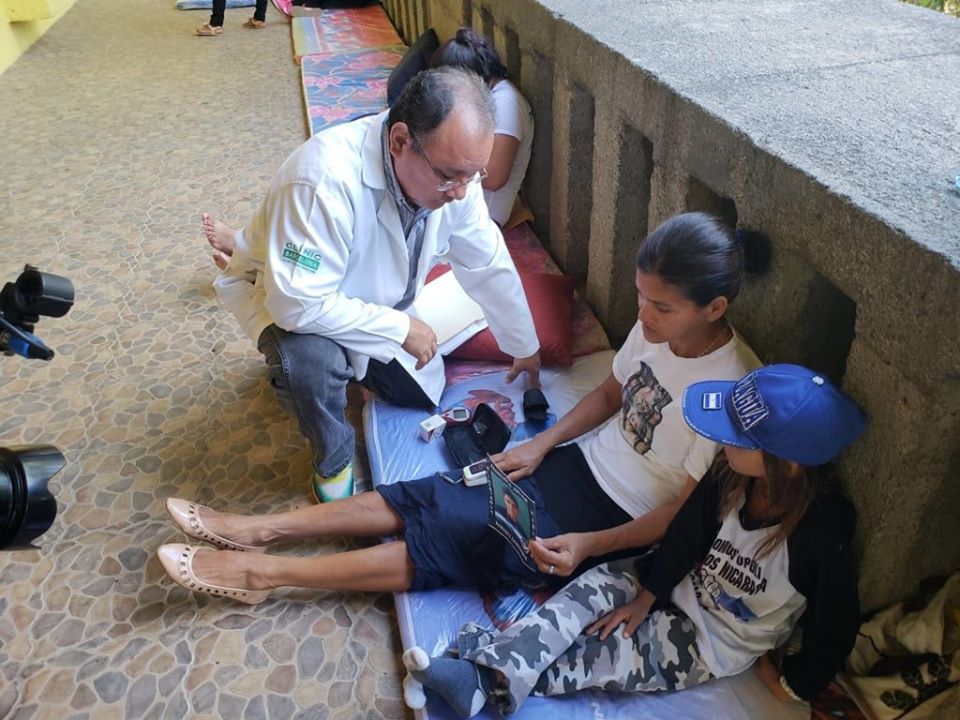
column 532, row 644
column 661, row 655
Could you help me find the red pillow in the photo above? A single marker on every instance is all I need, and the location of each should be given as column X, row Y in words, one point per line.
column 436, row 271
column 551, row 303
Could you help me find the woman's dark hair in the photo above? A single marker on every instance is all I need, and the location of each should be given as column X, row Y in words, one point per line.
column 790, row 494
column 702, row 257
column 471, row 51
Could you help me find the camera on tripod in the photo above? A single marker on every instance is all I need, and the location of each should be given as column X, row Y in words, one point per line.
column 27, row 508
column 22, row 303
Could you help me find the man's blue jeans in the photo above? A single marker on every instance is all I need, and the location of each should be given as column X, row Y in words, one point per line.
column 309, row 374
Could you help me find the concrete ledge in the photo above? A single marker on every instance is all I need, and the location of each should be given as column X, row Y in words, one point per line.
column 832, row 127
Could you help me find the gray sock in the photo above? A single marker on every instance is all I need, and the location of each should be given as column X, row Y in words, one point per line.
column 461, row 683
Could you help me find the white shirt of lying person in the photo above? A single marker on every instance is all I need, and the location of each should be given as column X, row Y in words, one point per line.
column 326, row 254
column 642, row 456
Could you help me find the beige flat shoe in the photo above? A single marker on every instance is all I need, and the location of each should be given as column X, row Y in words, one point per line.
column 186, row 516
column 208, row 30
column 255, row 24
column 177, row 560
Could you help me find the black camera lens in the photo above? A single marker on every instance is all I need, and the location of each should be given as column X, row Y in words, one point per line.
column 43, row 293
column 27, row 508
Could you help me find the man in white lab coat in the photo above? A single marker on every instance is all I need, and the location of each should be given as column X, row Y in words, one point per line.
column 322, row 275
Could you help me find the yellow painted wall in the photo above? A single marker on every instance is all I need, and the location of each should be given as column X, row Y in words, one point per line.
column 16, row 37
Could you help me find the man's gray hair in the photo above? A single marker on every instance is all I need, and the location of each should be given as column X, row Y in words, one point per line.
column 432, row 95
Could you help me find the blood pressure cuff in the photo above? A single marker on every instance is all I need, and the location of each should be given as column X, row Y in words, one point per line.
column 485, row 434
column 535, row 406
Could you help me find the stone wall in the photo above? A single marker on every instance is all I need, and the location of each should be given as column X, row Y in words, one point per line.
column 823, row 125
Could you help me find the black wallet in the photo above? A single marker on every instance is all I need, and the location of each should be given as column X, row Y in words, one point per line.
column 485, row 434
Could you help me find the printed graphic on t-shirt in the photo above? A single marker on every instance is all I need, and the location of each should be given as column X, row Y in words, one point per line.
column 644, row 399
column 724, row 571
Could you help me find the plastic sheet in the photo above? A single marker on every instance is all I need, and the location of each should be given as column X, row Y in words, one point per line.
column 396, row 453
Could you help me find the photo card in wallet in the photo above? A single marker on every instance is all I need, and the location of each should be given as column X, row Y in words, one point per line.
column 511, row 513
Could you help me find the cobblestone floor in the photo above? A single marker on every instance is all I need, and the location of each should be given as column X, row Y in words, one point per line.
column 119, row 129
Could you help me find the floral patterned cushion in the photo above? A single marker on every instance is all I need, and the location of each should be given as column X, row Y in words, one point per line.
column 343, row 86
column 338, row 31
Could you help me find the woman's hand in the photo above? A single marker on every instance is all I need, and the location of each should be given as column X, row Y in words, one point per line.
column 633, row 613
column 560, row 554
column 770, row 675
column 520, row 461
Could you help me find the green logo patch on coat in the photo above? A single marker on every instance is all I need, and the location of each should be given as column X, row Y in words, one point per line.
column 306, row 259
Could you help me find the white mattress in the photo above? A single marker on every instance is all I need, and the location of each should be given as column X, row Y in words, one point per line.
column 431, row 619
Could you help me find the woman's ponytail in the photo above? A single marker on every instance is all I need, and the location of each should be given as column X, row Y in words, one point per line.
column 756, row 249
column 471, row 51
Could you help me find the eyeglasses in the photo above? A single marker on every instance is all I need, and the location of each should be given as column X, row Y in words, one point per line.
column 445, row 184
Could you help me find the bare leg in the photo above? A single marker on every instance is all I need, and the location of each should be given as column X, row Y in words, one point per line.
column 366, row 515
column 382, row 568
column 222, row 239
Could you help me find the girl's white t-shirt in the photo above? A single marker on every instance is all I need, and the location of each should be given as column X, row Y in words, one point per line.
column 642, row 456
column 741, row 604
column 514, row 118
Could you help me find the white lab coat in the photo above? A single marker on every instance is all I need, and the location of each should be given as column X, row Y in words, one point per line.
column 325, row 253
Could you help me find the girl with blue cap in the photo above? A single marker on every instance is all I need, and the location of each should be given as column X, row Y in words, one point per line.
column 759, row 546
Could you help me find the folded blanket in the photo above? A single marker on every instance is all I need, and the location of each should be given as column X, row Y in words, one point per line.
column 906, row 662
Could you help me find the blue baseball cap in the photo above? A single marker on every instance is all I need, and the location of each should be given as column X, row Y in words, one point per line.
column 787, row 410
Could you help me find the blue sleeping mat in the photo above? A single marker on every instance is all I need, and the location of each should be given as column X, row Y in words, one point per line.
column 208, row 4
column 431, row 619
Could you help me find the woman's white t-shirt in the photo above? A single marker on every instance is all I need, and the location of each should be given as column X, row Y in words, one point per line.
column 514, row 118
column 642, row 456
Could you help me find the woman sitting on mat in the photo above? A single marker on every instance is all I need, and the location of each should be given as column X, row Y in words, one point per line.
column 757, row 547
column 513, row 132
column 612, row 491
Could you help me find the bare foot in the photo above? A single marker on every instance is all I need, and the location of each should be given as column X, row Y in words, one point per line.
column 221, row 236
column 220, row 259
column 229, row 569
